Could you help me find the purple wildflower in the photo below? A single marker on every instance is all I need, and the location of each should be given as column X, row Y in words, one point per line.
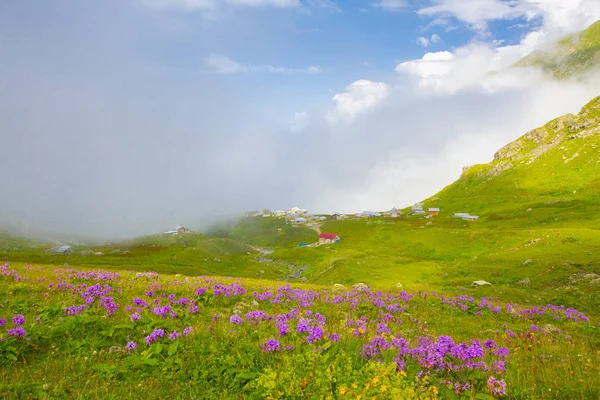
column 235, row 319
column 187, row 331
column 2, row 321
column 502, row 352
column 131, row 346
column 17, row 332
column 490, row 344
column 174, row 335
column 18, row 320
column 135, row 317
column 271, row 345
column 497, row 387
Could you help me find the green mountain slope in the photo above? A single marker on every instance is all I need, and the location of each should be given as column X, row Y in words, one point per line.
column 553, row 170
column 571, row 56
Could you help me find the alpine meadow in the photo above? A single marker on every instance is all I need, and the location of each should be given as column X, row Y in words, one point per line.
column 488, row 289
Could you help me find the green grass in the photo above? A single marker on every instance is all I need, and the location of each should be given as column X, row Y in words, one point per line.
column 271, row 232
column 84, row 355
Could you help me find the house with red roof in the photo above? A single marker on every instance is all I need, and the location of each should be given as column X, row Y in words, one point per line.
column 328, row 238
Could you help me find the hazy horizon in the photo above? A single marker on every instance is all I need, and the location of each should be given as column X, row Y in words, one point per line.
column 122, row 118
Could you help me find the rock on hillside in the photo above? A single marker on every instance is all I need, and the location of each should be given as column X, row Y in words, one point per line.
column 534, row 144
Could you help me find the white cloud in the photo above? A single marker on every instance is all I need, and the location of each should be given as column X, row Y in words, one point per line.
column 392, row 5
column 563, row 15
column 325, row 4
column 299, row 122
column 225, row 65
column 215, row 4
column 484, row 65
column 359, row 96
column 474, row 12
column 431, row 67
column 423, row 41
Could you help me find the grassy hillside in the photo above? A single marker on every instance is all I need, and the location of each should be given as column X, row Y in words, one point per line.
column 552, row 170
column 189, row 254
column 538, row 236
column 571, row 56
column 11, row 243
column 271, row 232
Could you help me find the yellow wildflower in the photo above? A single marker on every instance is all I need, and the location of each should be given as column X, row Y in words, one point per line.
column 375, row 380
column 383, row 388
column 343, row 390
column 402, row 373
column 435, row 390
column 354, row 385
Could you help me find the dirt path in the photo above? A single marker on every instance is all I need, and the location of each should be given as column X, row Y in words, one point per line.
column 315, row 227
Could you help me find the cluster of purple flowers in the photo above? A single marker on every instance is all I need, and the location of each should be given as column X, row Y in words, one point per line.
column 496, row 386
column 17, row 332
column 233, row 289
column 162, row 311
column 271, row 345
column 153, row 337
column 18, row 320
column 131, row 346
column 135, row 317
column 74, row 310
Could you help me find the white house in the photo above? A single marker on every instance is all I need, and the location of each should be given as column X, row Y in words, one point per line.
column 60, row 250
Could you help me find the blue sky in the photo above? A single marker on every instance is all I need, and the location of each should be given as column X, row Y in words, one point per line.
column 125, row 117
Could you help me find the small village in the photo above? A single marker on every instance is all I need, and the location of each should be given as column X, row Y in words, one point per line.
column 301, row 217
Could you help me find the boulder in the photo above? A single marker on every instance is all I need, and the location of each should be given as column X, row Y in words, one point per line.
column 361, row 287
column 527, row 262
column 524, row 282
column 480, row 283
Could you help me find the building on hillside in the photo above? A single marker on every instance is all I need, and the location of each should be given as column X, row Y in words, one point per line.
column 394, row 212
column 300, row 220
column 460, row 215
column 417, row 209
column 328, row 238
column 369, row 214
column 296, row 211
column 64, row 250
column 178, row 230
column 433, row 211
column 339, row 216
column 466, row 216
